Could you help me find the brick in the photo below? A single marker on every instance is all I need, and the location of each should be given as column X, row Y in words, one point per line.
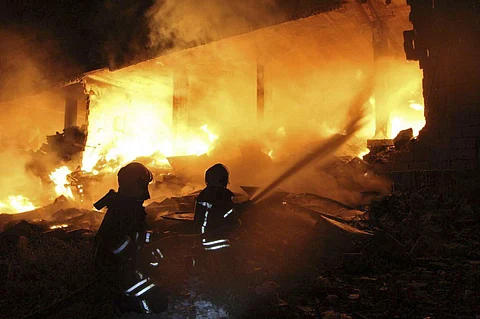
column 467, row 153
column 471, row 131
column 472, row 164
column 470, row 108
column 467, row 120
column 405, row 157
column 399, row 166
column 458, row 143
column 446, row 164
column 421, row 165
column 457, row 131
column 435, row 165
column 459, row 164
column 423, row 155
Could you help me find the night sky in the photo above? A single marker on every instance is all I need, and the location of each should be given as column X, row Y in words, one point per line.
column 71, row 34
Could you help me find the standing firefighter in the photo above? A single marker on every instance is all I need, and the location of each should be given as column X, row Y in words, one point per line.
column 214, row 218
column 121, row 244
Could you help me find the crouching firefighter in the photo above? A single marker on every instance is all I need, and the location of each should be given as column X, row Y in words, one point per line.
column 214, row 219
column 121, row 244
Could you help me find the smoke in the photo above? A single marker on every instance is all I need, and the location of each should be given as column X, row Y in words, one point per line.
column 31, row 63
column 325, row 149
column 312, row 73
column 187, row 23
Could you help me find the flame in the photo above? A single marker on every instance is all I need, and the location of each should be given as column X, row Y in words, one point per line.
column 211, row 137
column 412, row 118
column 59, row 178
column 17, row 204
column 123, row 128
column 59, row 226
column 269, row 152
column 362, row 153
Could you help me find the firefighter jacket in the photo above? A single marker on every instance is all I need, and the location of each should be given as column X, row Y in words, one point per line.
column 125, row 218
column 214, row 217
column 123, row 255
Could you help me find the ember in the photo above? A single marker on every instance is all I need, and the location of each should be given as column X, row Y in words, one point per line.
column 59, row 226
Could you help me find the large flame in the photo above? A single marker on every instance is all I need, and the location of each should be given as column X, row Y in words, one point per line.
column 123, row 128
column 16, row 204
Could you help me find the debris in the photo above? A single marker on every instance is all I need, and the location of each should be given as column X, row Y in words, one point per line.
column 59, row 233
column 353, row 296
column 330, row 314
column 306, row 309
column 78, row 233
column 402, row 138
column 21, row 228
column 353, row 262
column 205, row 309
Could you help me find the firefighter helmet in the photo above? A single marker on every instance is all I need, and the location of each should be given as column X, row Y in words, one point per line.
column 217, row 176
column 133, row 180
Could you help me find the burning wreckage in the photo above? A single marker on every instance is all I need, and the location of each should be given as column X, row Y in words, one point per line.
column 337, row 225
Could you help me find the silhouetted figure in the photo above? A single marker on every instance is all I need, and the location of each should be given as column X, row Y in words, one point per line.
column 122, row 241
column 215, row 217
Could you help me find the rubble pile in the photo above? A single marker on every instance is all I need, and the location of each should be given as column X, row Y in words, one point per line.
column 384, row 152
column 42, row 265
column 298, row 255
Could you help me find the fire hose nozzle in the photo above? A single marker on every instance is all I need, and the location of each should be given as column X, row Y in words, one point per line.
column 102, row 202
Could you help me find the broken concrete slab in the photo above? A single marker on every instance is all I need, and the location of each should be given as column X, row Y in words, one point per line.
column 402, row 138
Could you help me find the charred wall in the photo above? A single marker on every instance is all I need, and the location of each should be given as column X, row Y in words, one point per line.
column 445, row 41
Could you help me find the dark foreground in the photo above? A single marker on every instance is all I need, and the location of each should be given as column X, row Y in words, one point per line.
column 407, row 257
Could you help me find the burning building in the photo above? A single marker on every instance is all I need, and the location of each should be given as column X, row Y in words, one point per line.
column 284, row 83
column 290, row 102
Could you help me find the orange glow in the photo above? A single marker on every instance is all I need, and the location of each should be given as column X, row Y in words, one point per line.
column 59, row 178
column 16, row 204
column 59, row 226
column 122, row 128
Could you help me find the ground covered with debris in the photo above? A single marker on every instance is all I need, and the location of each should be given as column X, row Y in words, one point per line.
column 298, row 256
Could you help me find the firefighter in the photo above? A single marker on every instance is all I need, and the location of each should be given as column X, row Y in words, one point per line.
column 121, row 244
column 214, row 218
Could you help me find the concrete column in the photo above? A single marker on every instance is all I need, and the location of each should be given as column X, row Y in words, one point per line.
column 260, row 91
column 380, row 50
column 180, row 102
column 70, row 111
column 73, row 95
